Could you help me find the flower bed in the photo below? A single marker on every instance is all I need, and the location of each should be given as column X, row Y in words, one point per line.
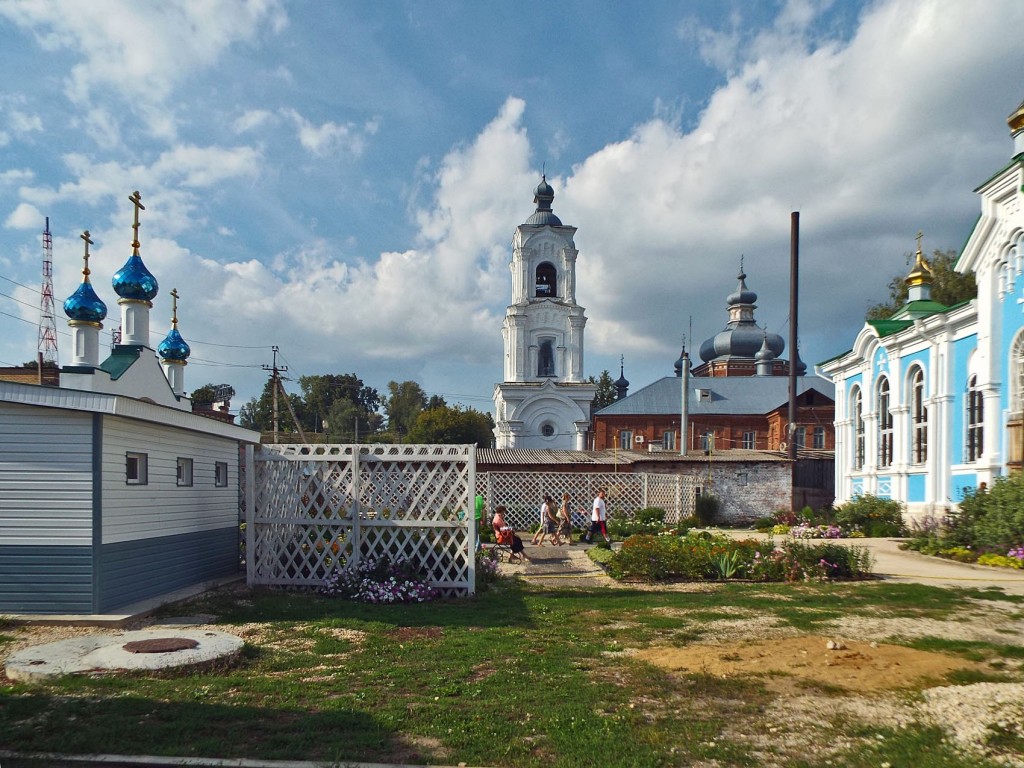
column 703, row 556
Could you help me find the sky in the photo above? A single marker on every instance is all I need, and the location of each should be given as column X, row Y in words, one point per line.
column 343, row 180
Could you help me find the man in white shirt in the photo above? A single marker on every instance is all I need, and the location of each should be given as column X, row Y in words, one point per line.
column 598, row 515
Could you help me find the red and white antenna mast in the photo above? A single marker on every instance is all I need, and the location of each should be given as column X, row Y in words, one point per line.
column 47, row 323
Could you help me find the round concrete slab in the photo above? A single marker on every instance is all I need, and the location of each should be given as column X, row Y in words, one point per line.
column 106, row 652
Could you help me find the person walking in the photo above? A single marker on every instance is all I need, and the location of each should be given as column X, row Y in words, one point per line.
column 598, row 515
column 550, row 525
column 565, row 520
column 538, row 536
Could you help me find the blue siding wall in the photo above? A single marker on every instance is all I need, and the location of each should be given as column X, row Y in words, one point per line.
column 962, row 349
column 916, row 488
column 961, row 483
column 45, row 579
column 132, row 571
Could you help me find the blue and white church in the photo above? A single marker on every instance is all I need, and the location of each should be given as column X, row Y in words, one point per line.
column 929, row 402
column 544, row 400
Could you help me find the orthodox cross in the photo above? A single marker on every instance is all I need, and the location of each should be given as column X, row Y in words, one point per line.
column 174, row 307
column 85, row 270
column 919, row 236
column 741, row 262
column 136, row 199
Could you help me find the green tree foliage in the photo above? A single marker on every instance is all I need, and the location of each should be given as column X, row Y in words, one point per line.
column 258, row 413
column 349, row 422
column 453, row 426
column 436, row 401
column 949, row 287
column 403, row 406
column 991, row 519
column 320, row 393
column 606, row 392
column 203, row 395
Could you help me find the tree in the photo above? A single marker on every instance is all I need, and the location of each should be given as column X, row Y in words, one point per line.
column 258, row 413
column 404, row 404
column 453, row 426
column 949, row 287
column 350, row 422
column 436, row 401
column 606, row 392
column 320, row 393
column 204, row 395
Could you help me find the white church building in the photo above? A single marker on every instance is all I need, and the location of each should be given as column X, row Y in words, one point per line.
column 929, row 401
column 544, row 400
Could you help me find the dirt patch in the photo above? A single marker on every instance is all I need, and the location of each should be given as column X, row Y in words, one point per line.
column 408, row 634
column 856, row 666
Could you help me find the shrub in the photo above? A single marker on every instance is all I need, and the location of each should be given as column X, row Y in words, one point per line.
column 1001, row 561
column 872, row 515
column 649, row 520
column 380, row 580
column 764, row 524
column 706, row 508
column 991, row 519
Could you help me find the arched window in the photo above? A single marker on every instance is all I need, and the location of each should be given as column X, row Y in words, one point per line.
column 918, row 418
column 1017, row 374
column 884, row 425
column 975, row 420
column 546, row 358
column 547, row 280
column 857, row 412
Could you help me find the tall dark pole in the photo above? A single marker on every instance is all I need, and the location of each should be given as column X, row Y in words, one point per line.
column 794, row 282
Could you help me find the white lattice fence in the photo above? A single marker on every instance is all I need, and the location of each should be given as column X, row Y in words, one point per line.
column 521, row 494
column 318, row 507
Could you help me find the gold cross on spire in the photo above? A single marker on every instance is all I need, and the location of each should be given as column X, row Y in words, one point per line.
column 919, row 236
column 174, row 307
column 136, row 199
column 85, row 270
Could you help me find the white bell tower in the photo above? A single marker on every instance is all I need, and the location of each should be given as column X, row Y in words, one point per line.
column 544, row 401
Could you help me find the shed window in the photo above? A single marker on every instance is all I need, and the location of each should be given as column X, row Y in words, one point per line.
column 184, row 471
column 220, row 474
column 136, row 468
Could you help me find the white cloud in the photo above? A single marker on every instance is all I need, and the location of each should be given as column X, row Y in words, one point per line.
column 16, row 176
column 21, row 123
column 142, row 51
column 25, row 216
column 251, row 119
column 331, row 137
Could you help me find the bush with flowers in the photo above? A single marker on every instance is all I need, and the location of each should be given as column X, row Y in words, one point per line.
column 380, row 580
column 705, row 556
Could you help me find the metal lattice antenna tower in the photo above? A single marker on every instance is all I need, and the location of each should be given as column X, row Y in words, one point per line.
column 47, row 323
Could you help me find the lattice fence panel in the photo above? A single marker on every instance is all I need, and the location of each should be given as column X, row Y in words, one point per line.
column 522, row 492
column 320, row 507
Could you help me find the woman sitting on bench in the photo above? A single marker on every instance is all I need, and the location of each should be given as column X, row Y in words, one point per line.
column 505, row 536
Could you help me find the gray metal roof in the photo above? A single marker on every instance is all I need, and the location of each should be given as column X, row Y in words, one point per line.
column 727, row 395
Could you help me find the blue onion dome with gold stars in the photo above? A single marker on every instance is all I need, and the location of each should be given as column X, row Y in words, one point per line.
column 543, row 196
column 84, row 306
column 134, row 281
column 173, row 347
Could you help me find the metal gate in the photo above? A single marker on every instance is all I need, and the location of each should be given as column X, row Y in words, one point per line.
column 314, row 508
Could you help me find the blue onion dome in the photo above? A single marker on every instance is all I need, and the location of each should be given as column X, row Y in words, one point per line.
column 543, row 196
column 742, row 295
column 764, row 353
column 134, row 281
column 173, row 347
column 84, row 305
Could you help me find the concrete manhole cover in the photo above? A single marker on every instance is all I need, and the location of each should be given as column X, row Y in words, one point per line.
column 122, row 651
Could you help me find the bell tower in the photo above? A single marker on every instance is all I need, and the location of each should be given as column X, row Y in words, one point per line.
column 544, row 400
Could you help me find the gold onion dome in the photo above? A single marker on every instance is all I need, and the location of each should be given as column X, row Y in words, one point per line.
column 922, row 273
column 1016, row 119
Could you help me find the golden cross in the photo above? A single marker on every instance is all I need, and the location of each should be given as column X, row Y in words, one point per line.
column 136, row 199
column 919, row 236
column 174, row 307
column 88, row 241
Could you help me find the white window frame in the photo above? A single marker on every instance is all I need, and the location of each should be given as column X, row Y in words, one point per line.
column 1017, row 374
column 185, row 468
column 918, row 418
column 625, row 438
column 668, row 440
column 818, row 439
column 975, row 420
column 220, row 474
column 885, row 425
column 859, row 435
column 136, row 469
column 750, row 440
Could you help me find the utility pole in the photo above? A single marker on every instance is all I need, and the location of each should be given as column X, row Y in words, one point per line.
column 275, row 377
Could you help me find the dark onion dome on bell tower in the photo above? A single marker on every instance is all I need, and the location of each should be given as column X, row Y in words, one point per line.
column 84, row 306
column 133, row 281
column 174, row 347
column 543, row 196
column 741, row 338
column 621, row 384
column 678, row 365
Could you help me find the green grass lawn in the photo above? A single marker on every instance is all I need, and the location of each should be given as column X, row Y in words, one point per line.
column 518, row 676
